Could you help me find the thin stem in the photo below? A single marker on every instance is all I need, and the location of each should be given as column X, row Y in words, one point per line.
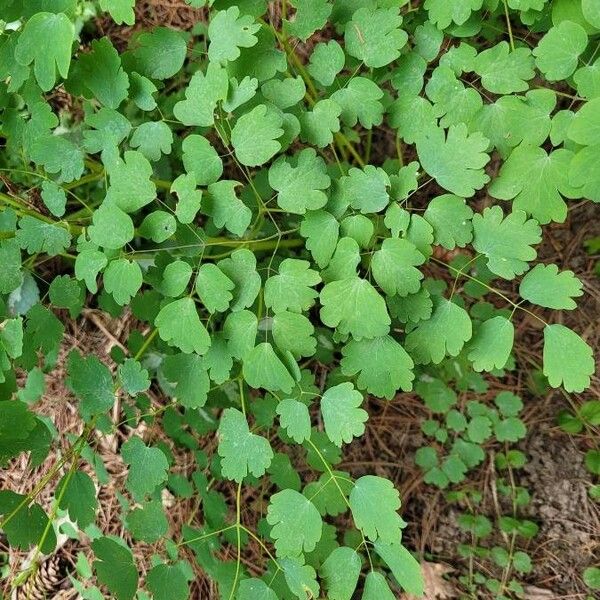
column 510, row 33
column 334, row 478
column 205, row 536
column 489, row 288
column 238, row 523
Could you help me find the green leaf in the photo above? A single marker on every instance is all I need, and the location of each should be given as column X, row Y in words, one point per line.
column 322, row 231
column 444, row 334
column 376, row 587
column 189, row 198
column 585, row 126
column 319, row 124
column 438, row 397
column 147, row 467
column 366, row 189
column 330, row 493
column 11, row 276
column 16, row 425
column 359, row 228
column 413, row 308
column 491, row 345
column 568, row 360
column 255, row 589
column 455, row 160
column 374, row 37
column 175, row 278
column 591, row 577
column 66, row 292
column 46, row 41
column 111, row 228
column 374, row 503
column 508, row 404
column 454, row 101
column 78, row 497
column 404, row 567
column 292, row 288
column 130, row 185
column 264, row 369
column 284, row 93
column 54, row 198
column 159, row 53
column 345, row 261
column 293, row 333
column 254, row 136
column 115, row 567
column 503, row 71
column 214, row 288
column 394, row 267
column 153, row 138
column 296, row 523
column 450, row 217
column 27, row 525
column 534, row 181
column 189, row 373
column 354, row 307
column 301, row 579
column 382, row 365
column 36, row 236
column 295, row 419
column 584, row 173
column 340, row 572
column 201, row 160
column 299, row 182
column 241, row 452
column 545, row 286
column 511, row 429
column 557, row 53
column 122, row 279
column 201, row 97
column 226, row 209
column 110, row 128
column 141, row 90
column 228, row 31
column 91, row 381
column 591, row 12
column 148, row 523
column 240, row 267
column 326, row 61
column 360, row 101
column 179, row 325
column 101, row 74
column 57, row 154
column 133, row 376
column 311, row 15
column 506, row 241
column 343, row 418
column 33, row 389
column 120, row 10
column 443, row 13
column 167, row 582
column 479, row 429
column 158, row 226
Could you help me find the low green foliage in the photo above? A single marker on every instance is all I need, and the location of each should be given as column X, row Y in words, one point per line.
column 254, row 210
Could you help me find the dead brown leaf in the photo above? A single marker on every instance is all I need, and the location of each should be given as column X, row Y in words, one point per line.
column 435, row 586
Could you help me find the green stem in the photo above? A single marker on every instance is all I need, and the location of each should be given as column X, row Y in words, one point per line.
column 22, row 209
column 334, row 478
column 460, row 273
column 508, row 25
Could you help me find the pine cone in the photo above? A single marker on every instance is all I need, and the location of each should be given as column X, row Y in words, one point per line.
column 47, row 581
